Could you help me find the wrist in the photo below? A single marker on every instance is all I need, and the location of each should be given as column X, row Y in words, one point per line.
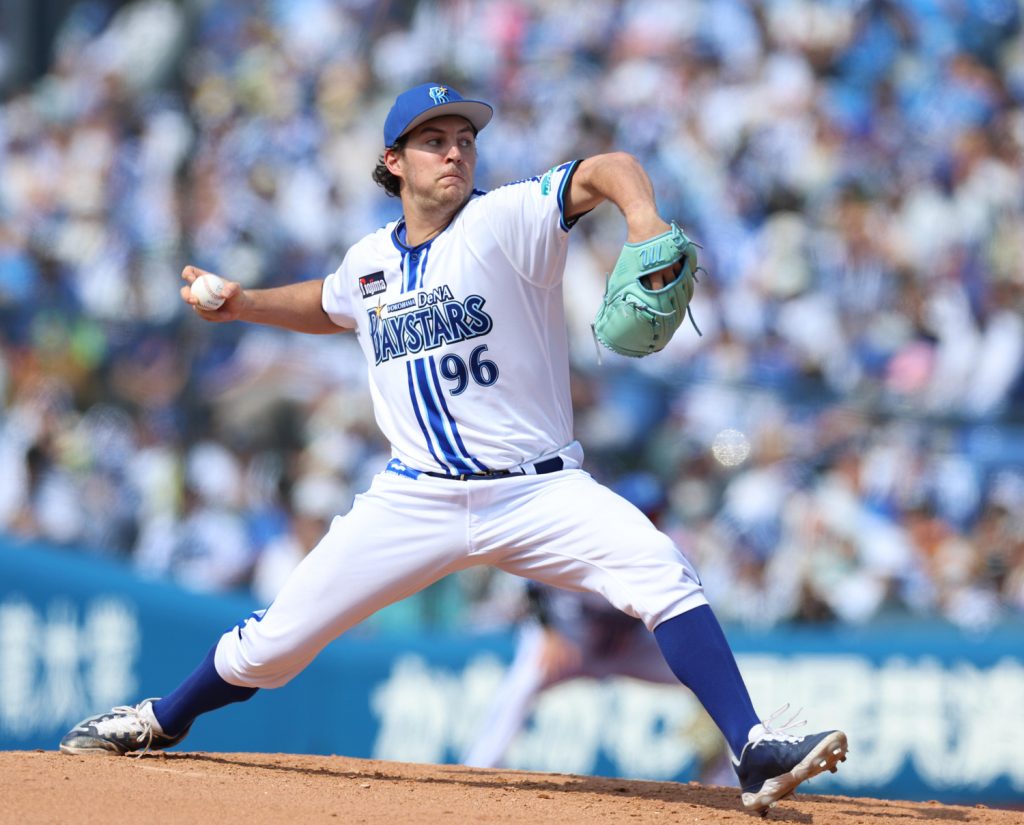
column 248, row 307
column 643, row 222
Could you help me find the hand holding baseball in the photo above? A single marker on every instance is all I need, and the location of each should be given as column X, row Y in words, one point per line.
column 210, row 295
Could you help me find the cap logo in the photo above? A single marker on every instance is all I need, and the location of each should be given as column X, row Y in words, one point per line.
column 439, row 94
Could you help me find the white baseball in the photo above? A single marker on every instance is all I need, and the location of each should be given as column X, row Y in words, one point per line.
column 207, row 290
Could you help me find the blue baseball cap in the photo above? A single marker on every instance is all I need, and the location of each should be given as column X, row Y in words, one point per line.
column 428, row 101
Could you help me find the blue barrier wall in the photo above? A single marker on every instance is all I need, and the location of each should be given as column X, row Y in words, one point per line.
column 932, row 713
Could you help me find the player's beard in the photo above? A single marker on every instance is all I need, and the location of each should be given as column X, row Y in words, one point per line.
column 442, row 200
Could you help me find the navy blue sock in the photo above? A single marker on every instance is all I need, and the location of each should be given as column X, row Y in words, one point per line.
column 201, row 692
column 696, row 649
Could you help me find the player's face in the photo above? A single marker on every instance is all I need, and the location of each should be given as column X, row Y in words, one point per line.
column 437, row 164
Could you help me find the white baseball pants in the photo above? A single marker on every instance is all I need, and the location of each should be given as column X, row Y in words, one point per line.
column 403, row 534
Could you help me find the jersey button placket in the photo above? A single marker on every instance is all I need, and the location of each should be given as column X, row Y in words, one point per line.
column 414, row 258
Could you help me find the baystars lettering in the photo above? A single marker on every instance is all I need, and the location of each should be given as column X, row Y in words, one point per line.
column 437, row 319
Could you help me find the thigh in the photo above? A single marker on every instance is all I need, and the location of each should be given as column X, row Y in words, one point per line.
column 567, row 530
column 396, row 540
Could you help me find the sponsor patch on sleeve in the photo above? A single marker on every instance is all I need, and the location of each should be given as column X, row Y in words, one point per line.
column 372, row 284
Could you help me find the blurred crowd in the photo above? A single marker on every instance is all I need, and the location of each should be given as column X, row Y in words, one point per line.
column 844, row 440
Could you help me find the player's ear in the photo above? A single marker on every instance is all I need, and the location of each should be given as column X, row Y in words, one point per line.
column 393, row 161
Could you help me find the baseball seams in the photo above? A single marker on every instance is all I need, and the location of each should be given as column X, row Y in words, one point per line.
column 207, row 290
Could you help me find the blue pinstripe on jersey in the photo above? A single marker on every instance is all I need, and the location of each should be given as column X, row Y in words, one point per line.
column 409, row 273
column 425, row 390
column 436, row 420
column 420, row 421
column 424, row 253
column 411, row 279
column 450, row 418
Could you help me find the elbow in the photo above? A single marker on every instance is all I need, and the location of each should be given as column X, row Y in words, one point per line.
column 616, row 176
column 622, row 161
column 602, row 174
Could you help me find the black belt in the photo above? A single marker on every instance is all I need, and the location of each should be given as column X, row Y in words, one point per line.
column 548, row 465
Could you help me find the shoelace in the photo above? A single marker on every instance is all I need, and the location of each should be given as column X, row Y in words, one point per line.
column 777, row 732
column 126, row 716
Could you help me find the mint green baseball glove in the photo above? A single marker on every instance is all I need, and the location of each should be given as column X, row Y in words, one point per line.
column 634, row 320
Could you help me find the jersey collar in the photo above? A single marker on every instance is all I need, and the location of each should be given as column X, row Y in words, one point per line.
column 398, row 233
column 398, row 238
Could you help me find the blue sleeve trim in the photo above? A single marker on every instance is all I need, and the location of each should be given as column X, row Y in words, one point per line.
column 563, row 221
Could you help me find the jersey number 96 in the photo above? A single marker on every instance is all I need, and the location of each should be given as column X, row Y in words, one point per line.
column 483, row 371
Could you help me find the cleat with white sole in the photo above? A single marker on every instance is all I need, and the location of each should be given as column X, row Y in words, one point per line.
column 773, row 763
column 125, row 730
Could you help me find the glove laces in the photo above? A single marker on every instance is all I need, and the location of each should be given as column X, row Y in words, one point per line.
column 689, row 307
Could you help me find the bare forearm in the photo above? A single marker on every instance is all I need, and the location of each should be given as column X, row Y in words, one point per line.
column 295, row 306
column 618, row 177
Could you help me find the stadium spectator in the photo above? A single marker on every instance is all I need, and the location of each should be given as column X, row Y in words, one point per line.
column 851, row 170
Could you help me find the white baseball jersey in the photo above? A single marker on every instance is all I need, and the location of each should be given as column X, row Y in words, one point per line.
column 465, row 334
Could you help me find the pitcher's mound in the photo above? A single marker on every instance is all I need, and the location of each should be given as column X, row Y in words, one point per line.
column 256, row 788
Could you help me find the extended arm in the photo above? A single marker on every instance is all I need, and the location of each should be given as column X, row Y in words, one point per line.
column 618, row 177
column 295, row 306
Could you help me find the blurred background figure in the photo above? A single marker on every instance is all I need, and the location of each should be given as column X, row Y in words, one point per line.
column 567, row 635
column 315, row 499
column 206, row 546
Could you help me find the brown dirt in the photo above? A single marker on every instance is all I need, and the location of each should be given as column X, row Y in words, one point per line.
column 226, row 788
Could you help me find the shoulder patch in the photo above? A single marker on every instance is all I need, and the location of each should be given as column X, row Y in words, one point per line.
column 545, row 181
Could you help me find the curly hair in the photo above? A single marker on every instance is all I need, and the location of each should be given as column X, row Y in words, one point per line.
column 382, row 176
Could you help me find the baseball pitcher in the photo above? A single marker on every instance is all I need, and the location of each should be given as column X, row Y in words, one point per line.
column 458, row 309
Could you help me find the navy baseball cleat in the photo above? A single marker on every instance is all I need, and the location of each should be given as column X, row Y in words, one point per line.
column 123, row 730
column 773, row 762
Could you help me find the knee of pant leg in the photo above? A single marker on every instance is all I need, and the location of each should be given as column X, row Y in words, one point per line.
column 250, row 657
column 667, row 584
column 676, row 607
